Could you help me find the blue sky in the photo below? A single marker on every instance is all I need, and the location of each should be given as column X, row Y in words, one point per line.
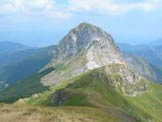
column 45, row 22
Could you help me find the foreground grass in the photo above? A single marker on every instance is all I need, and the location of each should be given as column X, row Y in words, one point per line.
column 17, row 113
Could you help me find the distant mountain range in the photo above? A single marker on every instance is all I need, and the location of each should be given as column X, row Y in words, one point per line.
column 86, row 71
column 10, row 53
column 18, row 61
column 7, row 47
column 150, row 53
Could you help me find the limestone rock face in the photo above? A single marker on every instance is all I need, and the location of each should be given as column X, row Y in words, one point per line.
column 85, row 48
column 142, row 67
column 130, row 83
column 89, row 38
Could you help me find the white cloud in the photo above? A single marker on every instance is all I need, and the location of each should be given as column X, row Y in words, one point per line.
column 6, row 8
column 32, row 7
column 112, row 6
column 50, row 8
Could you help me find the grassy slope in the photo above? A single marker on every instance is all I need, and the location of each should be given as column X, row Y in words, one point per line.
column 24, row 88
column 37, row 108
column 17, row 113
column 93, row 100
column 95, row 90
column 92, row 90
column 150, row 102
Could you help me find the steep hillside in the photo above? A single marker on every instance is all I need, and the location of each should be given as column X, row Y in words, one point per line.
column 29, row 65
column 96, row 90
column 24, row 88
column 8, row 51
column 14, row 57
column 143, row 67
column 84, row 48
column 29, row 62
column 151, row 52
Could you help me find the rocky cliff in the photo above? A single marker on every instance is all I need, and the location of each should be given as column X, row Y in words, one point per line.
column 85, row 48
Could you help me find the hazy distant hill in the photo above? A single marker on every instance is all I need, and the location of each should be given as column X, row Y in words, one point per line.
column 7, row 47
column 19, row 61
column 152, row 52
column 31, row 63
column 10, row 53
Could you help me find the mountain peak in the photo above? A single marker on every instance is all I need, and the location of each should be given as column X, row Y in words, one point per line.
column 88, row 38
column 85, row 24
column 81, row 37
column 84, row 48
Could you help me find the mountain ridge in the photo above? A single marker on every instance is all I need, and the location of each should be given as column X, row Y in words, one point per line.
column 87, row 80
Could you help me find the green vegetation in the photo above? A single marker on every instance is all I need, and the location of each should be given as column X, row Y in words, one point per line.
column 43, row 99
column 95, row 99
column 25, row 113
column 150, row 102
column 94, row 89
column 24, row 88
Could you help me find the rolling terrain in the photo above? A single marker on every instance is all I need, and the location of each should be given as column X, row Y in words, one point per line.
column 87, row 79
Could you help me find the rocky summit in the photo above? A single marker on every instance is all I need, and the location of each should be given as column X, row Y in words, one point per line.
column 92, row 41
column 85, row 48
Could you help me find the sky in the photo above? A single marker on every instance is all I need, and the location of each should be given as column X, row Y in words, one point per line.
column 46, row 22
